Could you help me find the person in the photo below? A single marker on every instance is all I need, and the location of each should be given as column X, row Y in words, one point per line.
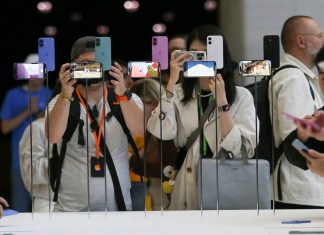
column 150, row 95
column 176, row 42
column 75, row 184
column 21, row 105
column 34, row 141
column 123, row 63
column 236, row 120
column 5, row 203
column 295, row 91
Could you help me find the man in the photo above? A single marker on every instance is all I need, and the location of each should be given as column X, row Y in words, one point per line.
column 296, row 91
column 76, row 184
column 20, row 105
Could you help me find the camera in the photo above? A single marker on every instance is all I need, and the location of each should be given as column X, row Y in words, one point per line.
column 86, row 70
column 196, row 55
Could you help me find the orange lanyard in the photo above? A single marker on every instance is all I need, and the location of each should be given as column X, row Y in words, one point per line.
column 96, row 137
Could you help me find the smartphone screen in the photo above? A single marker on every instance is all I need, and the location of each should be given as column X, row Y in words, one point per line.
column 24, row 71
column 199, row 68
column 160, row 51
column 215, row 50
column 86, row 70
column 46, row 52
column 304, row 122
column 142, row 69
column 250, row 68
column 103, row 52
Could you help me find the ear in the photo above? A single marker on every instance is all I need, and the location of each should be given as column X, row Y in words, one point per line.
column 300, row 41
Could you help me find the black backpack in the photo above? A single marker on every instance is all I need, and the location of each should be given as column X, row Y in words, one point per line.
column 266, row 149
column 56, row 161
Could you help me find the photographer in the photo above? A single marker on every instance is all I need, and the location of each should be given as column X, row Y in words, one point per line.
column 76, row 184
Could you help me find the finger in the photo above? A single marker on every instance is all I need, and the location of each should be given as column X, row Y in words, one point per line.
column 4, row 202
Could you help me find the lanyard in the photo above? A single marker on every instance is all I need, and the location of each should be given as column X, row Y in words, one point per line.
column 97, row 137
column 204, row 141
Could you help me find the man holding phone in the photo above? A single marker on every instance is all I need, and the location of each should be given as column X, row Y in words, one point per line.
column 76, row 184
column 295, row 91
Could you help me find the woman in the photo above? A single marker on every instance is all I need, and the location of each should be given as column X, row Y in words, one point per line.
column 180, row 116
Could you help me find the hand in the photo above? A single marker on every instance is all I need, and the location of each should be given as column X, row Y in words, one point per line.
column 304, row 131
column 176, row 65
column 5, row 203
column 315, row 161
column 119, row 85
column 220, row 89
column 66, row 81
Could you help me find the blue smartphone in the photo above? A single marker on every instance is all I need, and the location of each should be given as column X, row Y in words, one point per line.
column 160, row 51
column 46, row 52
column 300, row 146
column 194, row 68
column 103, row 52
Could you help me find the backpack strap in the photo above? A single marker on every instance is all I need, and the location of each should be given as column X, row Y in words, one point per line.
column 56, row 161
column 117, row 112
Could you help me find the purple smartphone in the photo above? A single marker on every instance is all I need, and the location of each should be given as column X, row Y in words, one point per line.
column 160, row 51
column 305, row 123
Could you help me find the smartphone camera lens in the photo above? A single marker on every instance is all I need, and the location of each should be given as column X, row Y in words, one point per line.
column 41, row 43
column 154, row 41
column 97, row 42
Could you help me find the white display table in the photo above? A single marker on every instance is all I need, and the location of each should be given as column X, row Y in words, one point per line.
column 236, row 222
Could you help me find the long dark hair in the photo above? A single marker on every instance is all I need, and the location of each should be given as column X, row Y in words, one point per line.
column 188, row 85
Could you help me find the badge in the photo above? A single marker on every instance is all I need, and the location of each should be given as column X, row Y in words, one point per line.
column 97, row 167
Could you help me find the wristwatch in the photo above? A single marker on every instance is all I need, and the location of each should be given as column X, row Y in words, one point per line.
column 224, row 108
column 126, row 97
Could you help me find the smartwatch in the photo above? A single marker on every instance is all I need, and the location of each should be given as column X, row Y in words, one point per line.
column 224, row 108
column 126, row 97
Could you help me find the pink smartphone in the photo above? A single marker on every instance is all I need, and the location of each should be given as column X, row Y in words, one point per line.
column 160, row 51
column 315, row 127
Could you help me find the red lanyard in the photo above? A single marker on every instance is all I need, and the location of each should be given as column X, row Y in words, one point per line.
column 102, row 117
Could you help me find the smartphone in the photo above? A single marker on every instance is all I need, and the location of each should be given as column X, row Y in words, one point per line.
column 199, row 68
column 144, row 69
column 160, row 51
column 46, row 52
column 215, row 50
column 300, row 146
column 315, row 127
column 195, row 55
column 271, row 50
column 86, row 70
column 103, row 52
column 250, row 68
column 24, row 71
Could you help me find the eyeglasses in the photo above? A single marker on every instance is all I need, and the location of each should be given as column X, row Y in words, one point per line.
column 320, row 35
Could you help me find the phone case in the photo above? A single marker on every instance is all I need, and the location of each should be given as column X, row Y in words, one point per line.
column 199, row 68
column 271, row 49
column 103, row 52
column 46, row 52
column 160, row 51
column 142, row 69
column 24, row 71
column 300, row 146
column 215, row 50
column 305, row 123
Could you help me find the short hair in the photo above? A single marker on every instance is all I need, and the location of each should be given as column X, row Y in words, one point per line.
column 83, row 45
column 319, row 59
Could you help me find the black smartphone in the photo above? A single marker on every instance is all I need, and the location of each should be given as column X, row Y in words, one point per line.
column 86, row 70
column 271, row 50
column 24, row 71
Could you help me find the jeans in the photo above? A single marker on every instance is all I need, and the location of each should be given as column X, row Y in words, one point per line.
column 20, row 197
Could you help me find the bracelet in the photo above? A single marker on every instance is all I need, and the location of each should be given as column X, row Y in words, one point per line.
column 168, row 92
column 65, row 99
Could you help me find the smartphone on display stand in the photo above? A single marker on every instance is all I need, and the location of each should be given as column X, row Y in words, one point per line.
column 215, row 50
column 144, row 69
column 103, row 52
column 46, row 52
column 24, row 71
column 300, row 146
column 315, row 127
column 250, row 68
column 199, row 68
column 160, row 51
column 271, row 50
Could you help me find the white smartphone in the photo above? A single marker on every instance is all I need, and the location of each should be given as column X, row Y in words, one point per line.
column 215, row 50
column 300, row 146
column 196, row 55
column 199, row 68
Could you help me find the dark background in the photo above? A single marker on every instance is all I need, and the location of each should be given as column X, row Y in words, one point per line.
column 21, row 25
